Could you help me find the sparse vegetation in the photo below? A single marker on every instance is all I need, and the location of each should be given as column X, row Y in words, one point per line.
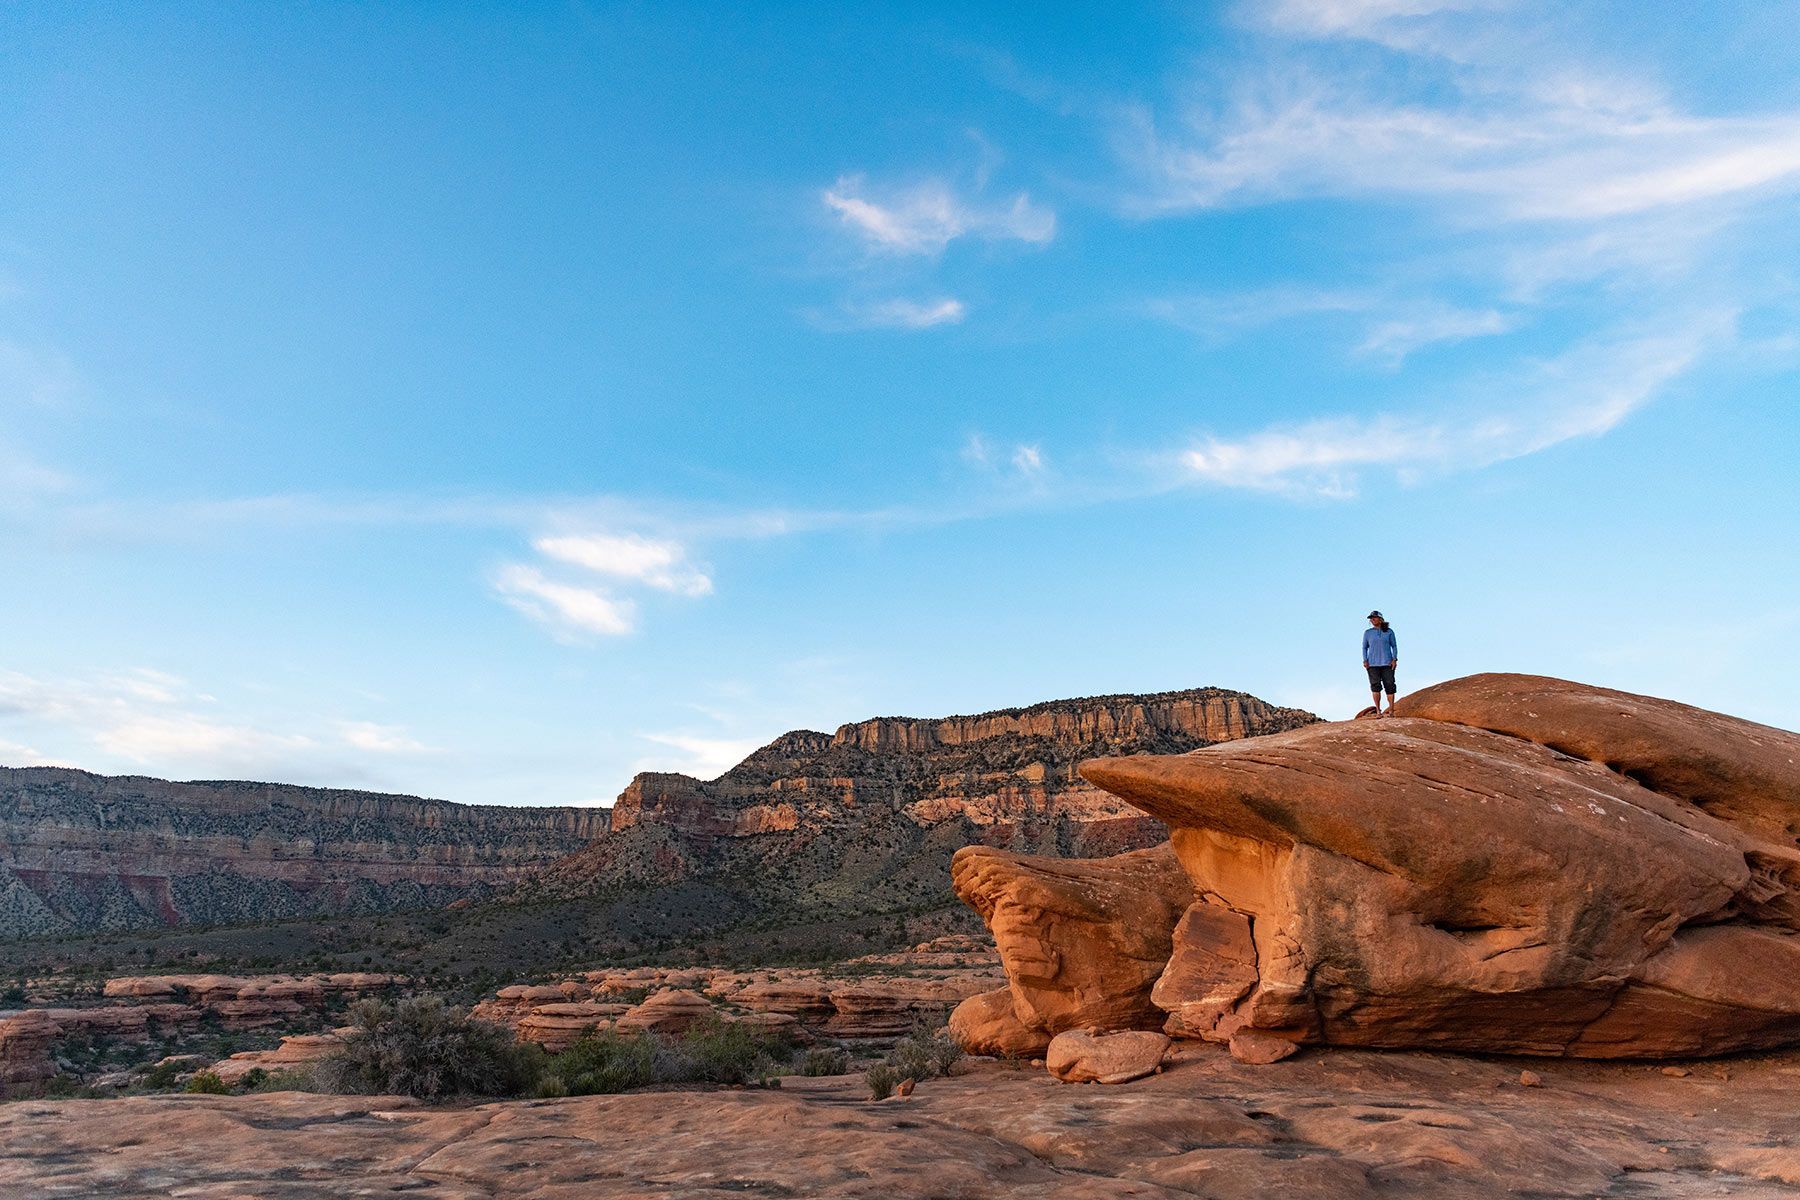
column 420, row 1047
column 925, row 1053
column 826, row 1060
column 882, row 1078
column 600, row 1063
column 205, row 1083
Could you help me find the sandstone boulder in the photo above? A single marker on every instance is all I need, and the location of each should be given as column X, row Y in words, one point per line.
column 1081, row 1057
column 1427, row 882
column 987, row 1024
column 1083, row 941
column 667, row 1014
column 298, row 1050
column 556, row 1027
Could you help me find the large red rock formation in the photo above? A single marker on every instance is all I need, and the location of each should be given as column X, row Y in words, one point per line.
column 1609, row 876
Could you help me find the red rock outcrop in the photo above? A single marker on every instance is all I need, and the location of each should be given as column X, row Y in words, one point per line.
column 1083, row 940
column 25, row 1041
column 295, row 1051
column 1430, row 882
column 242, row 1001
column 877, row 997
column 81, row 852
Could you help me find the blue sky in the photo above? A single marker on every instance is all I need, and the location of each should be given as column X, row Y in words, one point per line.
column 492, row 401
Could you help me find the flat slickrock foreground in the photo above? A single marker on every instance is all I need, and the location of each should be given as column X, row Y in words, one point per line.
column 1344, row 1124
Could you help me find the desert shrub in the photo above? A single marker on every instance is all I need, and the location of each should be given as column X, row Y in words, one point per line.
column 12, row 996
column 205, row 1083
column 717, row 1051
column 882, row 1078
column 290, row 1079
column 925, row 1053
column 826, row 1060
column 598, row 1064
column 418, row 1047
column 163, row 1075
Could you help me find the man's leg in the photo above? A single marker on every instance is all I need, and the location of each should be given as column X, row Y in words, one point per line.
column 1375, row 699
column 1387, row 681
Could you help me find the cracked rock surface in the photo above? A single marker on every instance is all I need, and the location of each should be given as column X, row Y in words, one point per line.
column 1349, row 1124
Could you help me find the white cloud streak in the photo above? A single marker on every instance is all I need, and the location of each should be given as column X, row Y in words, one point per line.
column 655, row 563
column 156, row 721
column 923, row 219
column 898, row 313
column 577, row 609
column 1585, row 393
column 1497, row 152
column 570, row 612
column 1394, row 327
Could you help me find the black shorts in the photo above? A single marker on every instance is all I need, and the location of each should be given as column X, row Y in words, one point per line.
column 1381, row 678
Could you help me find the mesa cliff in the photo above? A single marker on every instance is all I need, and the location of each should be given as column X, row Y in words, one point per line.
column 868, row 816
column 82, row 852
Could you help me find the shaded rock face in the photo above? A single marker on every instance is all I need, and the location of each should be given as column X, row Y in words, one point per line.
column 81, row 852
column 871, row 814
column 1083, row 940
column 1609, row 876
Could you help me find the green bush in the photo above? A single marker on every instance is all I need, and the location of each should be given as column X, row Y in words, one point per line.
column 162, row 1075
column 882, row 1078
column 291, row 1079
column 418, row 1047
column 826, row 1060
column 600, row 1063
column 205, row 1083
column 717, row 1051
column 925, row 1053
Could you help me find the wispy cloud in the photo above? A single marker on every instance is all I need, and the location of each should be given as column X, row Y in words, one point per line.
column 159, row 722
column 1500, row 148
column 897, row 313
column 1394, row 338
column 1584, row 393
column 381, row 739
column 574, row 606
column 1021, row 461
column 653, row 562
column 924, row 218
column 1393, row 326
column 570, row 611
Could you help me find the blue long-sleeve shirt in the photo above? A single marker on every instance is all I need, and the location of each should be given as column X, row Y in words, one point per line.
column 1380, row 647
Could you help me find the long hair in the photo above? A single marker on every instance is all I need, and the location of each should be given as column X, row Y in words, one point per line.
column 1382, row 624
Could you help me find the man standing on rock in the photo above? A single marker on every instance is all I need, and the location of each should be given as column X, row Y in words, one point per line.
column 1381, row 654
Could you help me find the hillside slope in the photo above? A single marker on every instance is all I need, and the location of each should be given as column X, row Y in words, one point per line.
column 866, row 818
column 82, row 852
